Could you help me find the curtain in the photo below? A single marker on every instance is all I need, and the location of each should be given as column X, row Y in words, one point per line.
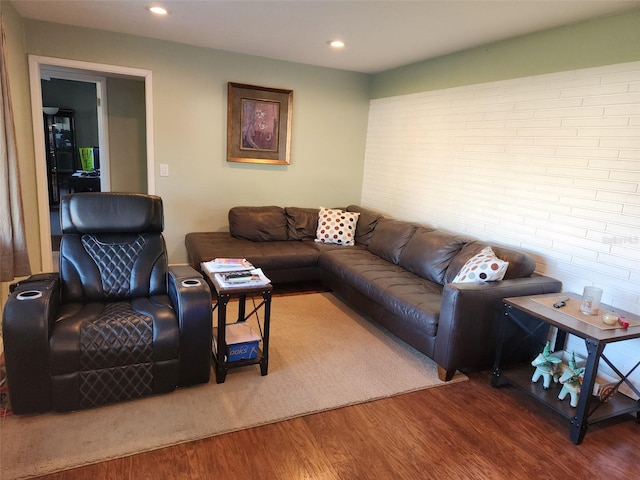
column 14, row 257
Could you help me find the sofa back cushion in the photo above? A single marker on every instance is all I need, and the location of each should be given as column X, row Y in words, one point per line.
column 521, row 264
column 302, row 223
column 429, row 253
column 366, row 224
column 258, row 224
column 390, row 237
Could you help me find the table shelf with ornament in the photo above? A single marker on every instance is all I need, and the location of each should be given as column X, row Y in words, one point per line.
column 535, row 316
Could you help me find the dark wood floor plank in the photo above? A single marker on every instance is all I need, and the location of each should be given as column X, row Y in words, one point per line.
column 466, row 430
column 348, row 438
column 299, row 456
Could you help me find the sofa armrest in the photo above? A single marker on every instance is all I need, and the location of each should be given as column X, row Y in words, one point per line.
column 469, row 319
column 29, row 313
column 191, row 297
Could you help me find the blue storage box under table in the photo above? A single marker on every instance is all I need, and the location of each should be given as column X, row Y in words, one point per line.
column 242, row 342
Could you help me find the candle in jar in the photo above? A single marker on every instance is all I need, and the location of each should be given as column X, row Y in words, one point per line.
column 610, row 318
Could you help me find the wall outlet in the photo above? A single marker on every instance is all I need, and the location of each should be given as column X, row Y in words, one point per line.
column 164, row 170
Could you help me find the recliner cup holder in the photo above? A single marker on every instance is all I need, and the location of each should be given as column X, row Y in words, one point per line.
column 29, row 295
column 191, row 282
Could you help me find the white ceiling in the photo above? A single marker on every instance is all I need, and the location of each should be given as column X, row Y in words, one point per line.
column 380, row 34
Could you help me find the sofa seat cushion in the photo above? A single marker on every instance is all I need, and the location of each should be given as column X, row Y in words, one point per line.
column 408, row 296
column 266, row 255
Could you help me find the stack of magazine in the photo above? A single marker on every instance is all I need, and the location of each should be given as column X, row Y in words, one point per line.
column 219, row 265
column 235, row 272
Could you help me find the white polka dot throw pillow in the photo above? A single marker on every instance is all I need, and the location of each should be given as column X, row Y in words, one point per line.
column 336, row 226
column 483, row 267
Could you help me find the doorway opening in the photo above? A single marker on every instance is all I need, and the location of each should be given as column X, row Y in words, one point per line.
column 75, row 132
column 43, row 69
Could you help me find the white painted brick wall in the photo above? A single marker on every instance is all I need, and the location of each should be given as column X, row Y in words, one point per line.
column 549, row 164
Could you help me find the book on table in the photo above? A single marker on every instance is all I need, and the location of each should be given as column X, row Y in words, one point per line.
column 248, row 278
column 218, row 265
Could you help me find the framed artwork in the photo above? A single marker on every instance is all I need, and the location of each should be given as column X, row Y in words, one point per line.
column 258, row 124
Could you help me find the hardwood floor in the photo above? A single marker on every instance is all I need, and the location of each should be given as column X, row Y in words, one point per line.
column 466, row 430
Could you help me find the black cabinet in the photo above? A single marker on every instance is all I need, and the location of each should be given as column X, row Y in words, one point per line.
column 81, row 182
column 61, row 151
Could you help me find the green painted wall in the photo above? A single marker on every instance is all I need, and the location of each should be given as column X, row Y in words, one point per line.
column 330, row 109
column 600, row 41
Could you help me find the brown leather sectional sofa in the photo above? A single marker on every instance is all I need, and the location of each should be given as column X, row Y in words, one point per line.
column 398, row 273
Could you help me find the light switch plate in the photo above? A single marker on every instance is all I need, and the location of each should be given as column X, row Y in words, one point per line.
column 164, row 170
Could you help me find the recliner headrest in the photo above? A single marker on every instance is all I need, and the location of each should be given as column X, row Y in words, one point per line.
column 111, row 212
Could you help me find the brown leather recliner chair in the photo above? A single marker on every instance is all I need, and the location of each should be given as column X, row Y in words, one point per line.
column 116, row 323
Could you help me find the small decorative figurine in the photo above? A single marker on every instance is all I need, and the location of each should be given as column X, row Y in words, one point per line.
column 546, row 366
column 571, row 380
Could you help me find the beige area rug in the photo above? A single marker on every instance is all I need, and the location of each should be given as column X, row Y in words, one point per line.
column 323, row 356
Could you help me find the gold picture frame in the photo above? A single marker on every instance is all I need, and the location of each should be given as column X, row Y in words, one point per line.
column 258, row 124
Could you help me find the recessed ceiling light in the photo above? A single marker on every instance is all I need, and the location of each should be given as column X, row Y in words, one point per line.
column 336, row 43
column 158, row 10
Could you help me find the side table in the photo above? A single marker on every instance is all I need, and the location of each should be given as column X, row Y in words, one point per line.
column 222, row 295
column 534, row 318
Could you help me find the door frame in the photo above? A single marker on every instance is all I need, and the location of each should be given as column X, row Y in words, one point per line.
column 39, row 63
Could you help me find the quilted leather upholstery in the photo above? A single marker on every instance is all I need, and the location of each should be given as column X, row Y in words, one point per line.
column 118, row 336
column 110, row 385
column 115, row 262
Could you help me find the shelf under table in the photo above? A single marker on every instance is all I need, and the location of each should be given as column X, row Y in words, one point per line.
column 618, row 404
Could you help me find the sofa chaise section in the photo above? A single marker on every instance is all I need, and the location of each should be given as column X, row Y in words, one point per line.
column 278, row 240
